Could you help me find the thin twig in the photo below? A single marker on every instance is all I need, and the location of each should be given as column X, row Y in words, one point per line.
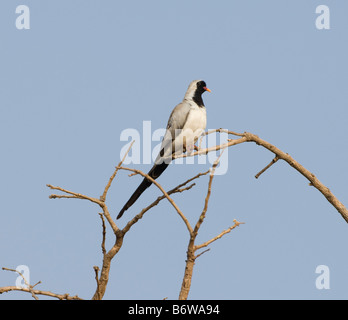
column 205, row 244
column 210, row 149
column 267, row 167
column 20, row 273
column 77, row 195
column 198, row 255
column 107, row 187
column 29, row 287
column 36, row 284
column 58, row 196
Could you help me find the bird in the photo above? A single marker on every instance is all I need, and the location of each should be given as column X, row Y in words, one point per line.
column 186, row 124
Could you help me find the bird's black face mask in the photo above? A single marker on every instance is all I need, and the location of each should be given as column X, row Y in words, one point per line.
column 201, row 88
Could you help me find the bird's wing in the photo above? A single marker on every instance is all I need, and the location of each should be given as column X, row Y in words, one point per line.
column 176, row 122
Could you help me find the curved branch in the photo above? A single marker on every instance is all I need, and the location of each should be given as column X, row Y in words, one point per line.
column 314, row 181
column 249, row 137
column 177, row 189
column 165, row 194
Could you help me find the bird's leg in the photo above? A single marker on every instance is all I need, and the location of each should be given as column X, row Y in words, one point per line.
column 190, row 148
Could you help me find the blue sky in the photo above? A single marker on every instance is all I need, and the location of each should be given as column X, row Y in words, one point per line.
column 87, row 70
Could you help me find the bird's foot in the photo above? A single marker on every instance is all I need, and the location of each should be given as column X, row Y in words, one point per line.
column 190, row 148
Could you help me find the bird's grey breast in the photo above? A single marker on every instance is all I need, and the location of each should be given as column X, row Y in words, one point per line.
column 179, row 116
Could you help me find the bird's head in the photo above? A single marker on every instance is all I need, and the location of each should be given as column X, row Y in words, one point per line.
column 195, row 91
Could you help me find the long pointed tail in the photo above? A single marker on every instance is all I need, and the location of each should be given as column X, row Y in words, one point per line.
column 154, row 173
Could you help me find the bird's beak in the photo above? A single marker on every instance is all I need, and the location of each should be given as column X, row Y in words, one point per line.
column 206, row 89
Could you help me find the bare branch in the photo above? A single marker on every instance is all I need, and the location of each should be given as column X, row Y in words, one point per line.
column 205, row 244
column 223, row 130
column 96, row 270
column 65, row 296
column 192, row 248
column 34, row 293
column 153, row 204
column 198, row 255
column 36, row 284
column 75, row 195
column 190, row 254
column 249, row 137
column 307, row 174
column 107, row 256
column 206, row 201
column 267, row 167
column 20, row 273
column 104, row 233
column 177, row 189
column 57, row 196
column 230, row 143
column 165, row 194
column 107, row 187
column 29, row 287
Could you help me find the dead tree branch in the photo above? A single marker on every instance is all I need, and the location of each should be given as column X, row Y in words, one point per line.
column 302, row 170
column 207, row 243
column 165, row 194
column 249, row 137
column 30, row 289
column 178, row 189
column 102, row 275
column 267, row 167
column 192, row 248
